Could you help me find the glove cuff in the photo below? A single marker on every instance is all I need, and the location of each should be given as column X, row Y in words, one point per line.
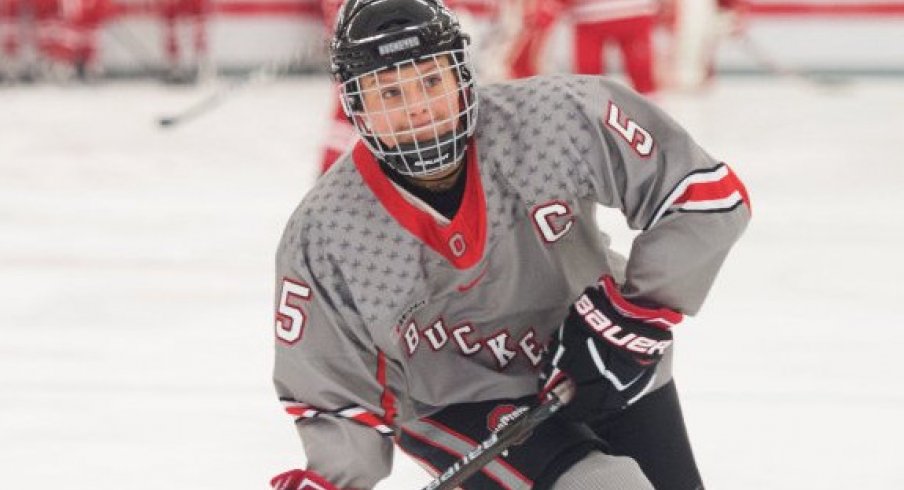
column 662, row 318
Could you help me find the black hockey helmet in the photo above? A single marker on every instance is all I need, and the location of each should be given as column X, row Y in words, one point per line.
column 374, row 35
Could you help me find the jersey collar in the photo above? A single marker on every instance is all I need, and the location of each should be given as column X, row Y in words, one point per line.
column 460, row 241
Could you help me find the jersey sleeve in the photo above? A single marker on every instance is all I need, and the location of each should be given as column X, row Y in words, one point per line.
column 690, row 207
column 330, row 377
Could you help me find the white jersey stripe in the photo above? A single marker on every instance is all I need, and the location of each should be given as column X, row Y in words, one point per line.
column 357, row 414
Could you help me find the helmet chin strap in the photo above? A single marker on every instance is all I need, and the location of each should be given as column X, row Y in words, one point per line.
column 413, row 160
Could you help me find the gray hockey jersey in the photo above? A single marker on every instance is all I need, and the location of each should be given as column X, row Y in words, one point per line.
column 386, row 311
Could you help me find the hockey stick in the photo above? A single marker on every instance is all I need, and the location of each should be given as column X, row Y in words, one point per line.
column 204, row 105
column 265, row 72
column 495, row 445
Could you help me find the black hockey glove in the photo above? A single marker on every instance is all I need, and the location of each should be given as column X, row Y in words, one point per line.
column 609, row 349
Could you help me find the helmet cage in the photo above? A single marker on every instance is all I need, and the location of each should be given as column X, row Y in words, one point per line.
column 427, row 154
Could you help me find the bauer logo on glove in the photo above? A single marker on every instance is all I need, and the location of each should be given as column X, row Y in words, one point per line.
column 616, row 335
column 609, row 348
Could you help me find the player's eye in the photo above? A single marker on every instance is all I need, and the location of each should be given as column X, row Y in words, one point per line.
column 390, row 93
column 434, row 80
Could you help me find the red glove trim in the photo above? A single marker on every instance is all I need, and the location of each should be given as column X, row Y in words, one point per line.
column 556, row 377
column 301, row 480
column 663, row 318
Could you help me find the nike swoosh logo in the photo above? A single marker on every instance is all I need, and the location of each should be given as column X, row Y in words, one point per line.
column 631, row 383
column 469, row 285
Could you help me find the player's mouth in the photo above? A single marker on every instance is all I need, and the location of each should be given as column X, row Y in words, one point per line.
column 422, row 132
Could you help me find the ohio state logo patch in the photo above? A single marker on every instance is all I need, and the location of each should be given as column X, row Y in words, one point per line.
column 504, row 415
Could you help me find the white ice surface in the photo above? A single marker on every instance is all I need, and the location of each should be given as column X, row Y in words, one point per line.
column 135, row 287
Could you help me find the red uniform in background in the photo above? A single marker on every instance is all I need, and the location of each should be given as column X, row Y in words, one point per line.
column 538, row 18
column 66, row 31
column 629, row 23
column 10, row 35
column 340, row 135
column 10, row 12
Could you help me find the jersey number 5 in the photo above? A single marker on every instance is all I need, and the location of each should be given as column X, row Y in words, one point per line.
column 636, row 136
column 290, row 318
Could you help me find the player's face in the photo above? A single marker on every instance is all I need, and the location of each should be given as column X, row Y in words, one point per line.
column 411, row 102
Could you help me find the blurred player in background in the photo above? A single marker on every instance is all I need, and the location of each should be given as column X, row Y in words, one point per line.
column 538, row 19
column 628, row 23
column 696, row 28
column 11, row 17
column 66, row 36
column 494, row 26
column 420, row 278
column 340, row 135
column 185, row 24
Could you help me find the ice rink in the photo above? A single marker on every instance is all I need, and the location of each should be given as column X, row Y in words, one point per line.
column 135, row 327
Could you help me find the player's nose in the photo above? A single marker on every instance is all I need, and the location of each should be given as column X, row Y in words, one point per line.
column 416, row 99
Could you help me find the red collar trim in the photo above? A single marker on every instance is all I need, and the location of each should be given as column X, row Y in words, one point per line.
column 463, row 240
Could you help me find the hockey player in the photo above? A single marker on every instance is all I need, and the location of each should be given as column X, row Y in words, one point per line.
column 67, row 36
column 482, row 14
column 629, row 23
column 182, row 18
column 538, row 19
column 340, row 134
column 492, row 26
column 419, row 280
column 10, row 39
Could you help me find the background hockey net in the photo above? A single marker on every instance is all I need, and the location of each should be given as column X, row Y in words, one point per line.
column 784, row 37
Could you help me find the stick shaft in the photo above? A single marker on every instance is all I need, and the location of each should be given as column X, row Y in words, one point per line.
column 496, row 444
column 265, row 72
